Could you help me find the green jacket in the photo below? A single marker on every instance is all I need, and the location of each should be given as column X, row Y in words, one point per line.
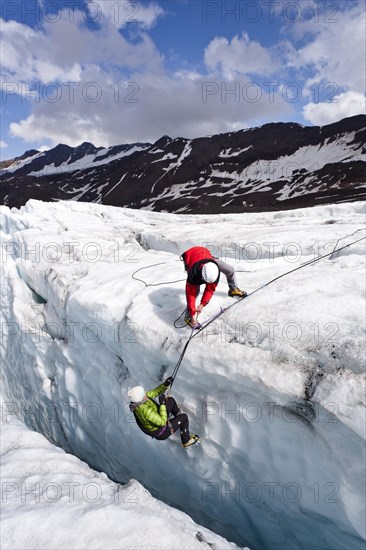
column 152, row 416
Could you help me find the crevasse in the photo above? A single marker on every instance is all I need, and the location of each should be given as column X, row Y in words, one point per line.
column 275, row 388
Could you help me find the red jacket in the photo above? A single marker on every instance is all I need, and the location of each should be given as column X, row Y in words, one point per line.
column 194, row 280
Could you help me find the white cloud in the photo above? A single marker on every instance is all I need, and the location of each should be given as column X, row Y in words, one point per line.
column 166, row 104
column 344, row 105
column 45, row 55
column 105, row 61
column 9, row 88
column 239, row 57
column 3, row 144
column 148, row 16
column 28, row 55
column 335, row 48
column 121, row 92
column 59, row 127
column 123, row 12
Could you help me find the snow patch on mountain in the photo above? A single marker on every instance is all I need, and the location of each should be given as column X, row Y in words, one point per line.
column 19, row 164
column 283, row 168
column 89, row 161
column 227, row 153
column 168, row 156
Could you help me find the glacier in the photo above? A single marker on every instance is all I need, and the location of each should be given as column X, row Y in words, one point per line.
column 275, row 388
column 45, row 487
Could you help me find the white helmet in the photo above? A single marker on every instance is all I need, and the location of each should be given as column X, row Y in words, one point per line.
column 136, row 394
column 210, row 272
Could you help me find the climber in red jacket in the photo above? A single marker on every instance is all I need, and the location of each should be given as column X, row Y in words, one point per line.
column 203, row 268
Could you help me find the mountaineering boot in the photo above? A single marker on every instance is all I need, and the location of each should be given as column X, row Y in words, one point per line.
column 192, row 440
column 236, row 292
column 189, row 322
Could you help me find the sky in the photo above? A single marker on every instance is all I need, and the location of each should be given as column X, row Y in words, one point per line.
column 125, row 71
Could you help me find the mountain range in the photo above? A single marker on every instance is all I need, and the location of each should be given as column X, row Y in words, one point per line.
column 272, row 167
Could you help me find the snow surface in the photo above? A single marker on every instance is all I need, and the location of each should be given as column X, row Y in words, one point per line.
column 53, row 500
column 274, row 470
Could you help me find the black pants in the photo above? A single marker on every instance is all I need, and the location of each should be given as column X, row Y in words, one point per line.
column 180, row 421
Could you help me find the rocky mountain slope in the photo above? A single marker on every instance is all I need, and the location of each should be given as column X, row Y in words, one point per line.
column 275, row 166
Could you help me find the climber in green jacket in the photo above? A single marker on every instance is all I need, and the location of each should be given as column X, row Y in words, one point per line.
column 153, row 419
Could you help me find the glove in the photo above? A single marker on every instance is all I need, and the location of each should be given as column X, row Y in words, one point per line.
column 162, row 399
column 168, row 382
column 200, row 308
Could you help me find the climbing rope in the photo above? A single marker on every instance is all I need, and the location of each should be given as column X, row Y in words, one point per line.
column 196, row 332
column 154, row 284
column 178, row 319
column 160, row 284
column 168, row 282
column 342, row 239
